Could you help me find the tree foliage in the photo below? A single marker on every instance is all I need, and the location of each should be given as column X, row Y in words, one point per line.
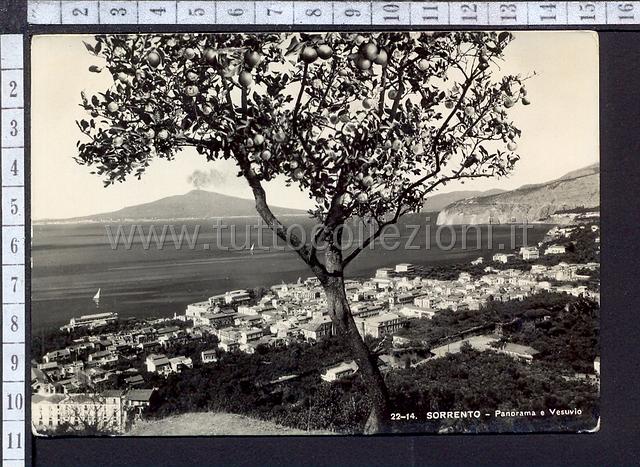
column 365, row 124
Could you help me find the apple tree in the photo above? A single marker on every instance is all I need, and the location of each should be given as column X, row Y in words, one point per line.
column 366, row 124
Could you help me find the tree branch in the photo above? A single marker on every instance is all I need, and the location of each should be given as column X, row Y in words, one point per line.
column 383, row 91
column 306, row 253
column 296, row 109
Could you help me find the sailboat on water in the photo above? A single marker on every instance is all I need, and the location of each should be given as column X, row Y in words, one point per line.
column 96, row 298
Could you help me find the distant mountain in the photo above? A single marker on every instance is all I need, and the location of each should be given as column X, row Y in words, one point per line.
column 438, row 202
column 196, row 204
column 530, row 203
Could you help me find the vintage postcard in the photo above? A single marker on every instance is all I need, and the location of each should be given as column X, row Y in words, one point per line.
column 315, row 233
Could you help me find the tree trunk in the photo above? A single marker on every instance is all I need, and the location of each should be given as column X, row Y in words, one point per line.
column 341, row 316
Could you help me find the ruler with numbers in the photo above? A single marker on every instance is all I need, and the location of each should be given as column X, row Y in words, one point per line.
column 14, row 390
column 339, row 13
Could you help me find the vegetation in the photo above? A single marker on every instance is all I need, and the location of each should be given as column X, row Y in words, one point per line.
column 568, row 338
column 486, row 381
column 246, row 384
column 366, row 126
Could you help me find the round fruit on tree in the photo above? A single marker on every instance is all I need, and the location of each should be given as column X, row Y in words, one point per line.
column 298, row 174
column 118, row 141
column 309, row 55
column 397, row 145
column 123, row 77
column 325, row 51
column 150, row 133
column 210, row 56
column 509, row 102
column 245, row 79
column 368, row 180
column 252, row 58
column 192, row 76
column 511, row 146
column 258, row 140
column 112, row 107
column 206, row 109
column 369, row 51
column 469, row 111
column 163, row 134
column 280, row 136
column 343, row 72
column 266, row 155
column 153, row 58
column 363, row 63
column 382, row 59
column 367, row 103
column 449, row 104
column 189, row 53
column 423, row 64
column 393, row 94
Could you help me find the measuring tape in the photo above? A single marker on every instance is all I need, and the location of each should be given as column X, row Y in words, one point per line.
column 339, row 13
column 14, row 389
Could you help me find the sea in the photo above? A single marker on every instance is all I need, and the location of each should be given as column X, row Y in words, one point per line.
column 70, row 262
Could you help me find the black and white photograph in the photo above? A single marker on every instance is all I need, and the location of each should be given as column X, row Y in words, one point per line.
column 315, row 233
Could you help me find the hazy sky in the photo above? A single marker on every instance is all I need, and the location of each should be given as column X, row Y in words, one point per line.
column 560, row 128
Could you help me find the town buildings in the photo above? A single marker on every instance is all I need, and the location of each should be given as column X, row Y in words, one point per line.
column 339, row 371
column 90, row 321
column 236, row 321
column 110, row 411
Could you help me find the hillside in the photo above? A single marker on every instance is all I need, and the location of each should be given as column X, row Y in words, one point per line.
column 440, row 201
column 213, row 424
column 530, row 203
column 196, row 204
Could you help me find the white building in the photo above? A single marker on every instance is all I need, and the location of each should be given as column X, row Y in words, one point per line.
column 339, row 371
column 555, row 250
column 529, row 253
column 103, row 412
column 90, row 321
column 381, row 325
column 179, row 363
column 405, row 268
column 209, row 356
column 413, row 311
column 158, row 363
column 502, row 257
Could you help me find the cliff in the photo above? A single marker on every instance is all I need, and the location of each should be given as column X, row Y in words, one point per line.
column 529, row 203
